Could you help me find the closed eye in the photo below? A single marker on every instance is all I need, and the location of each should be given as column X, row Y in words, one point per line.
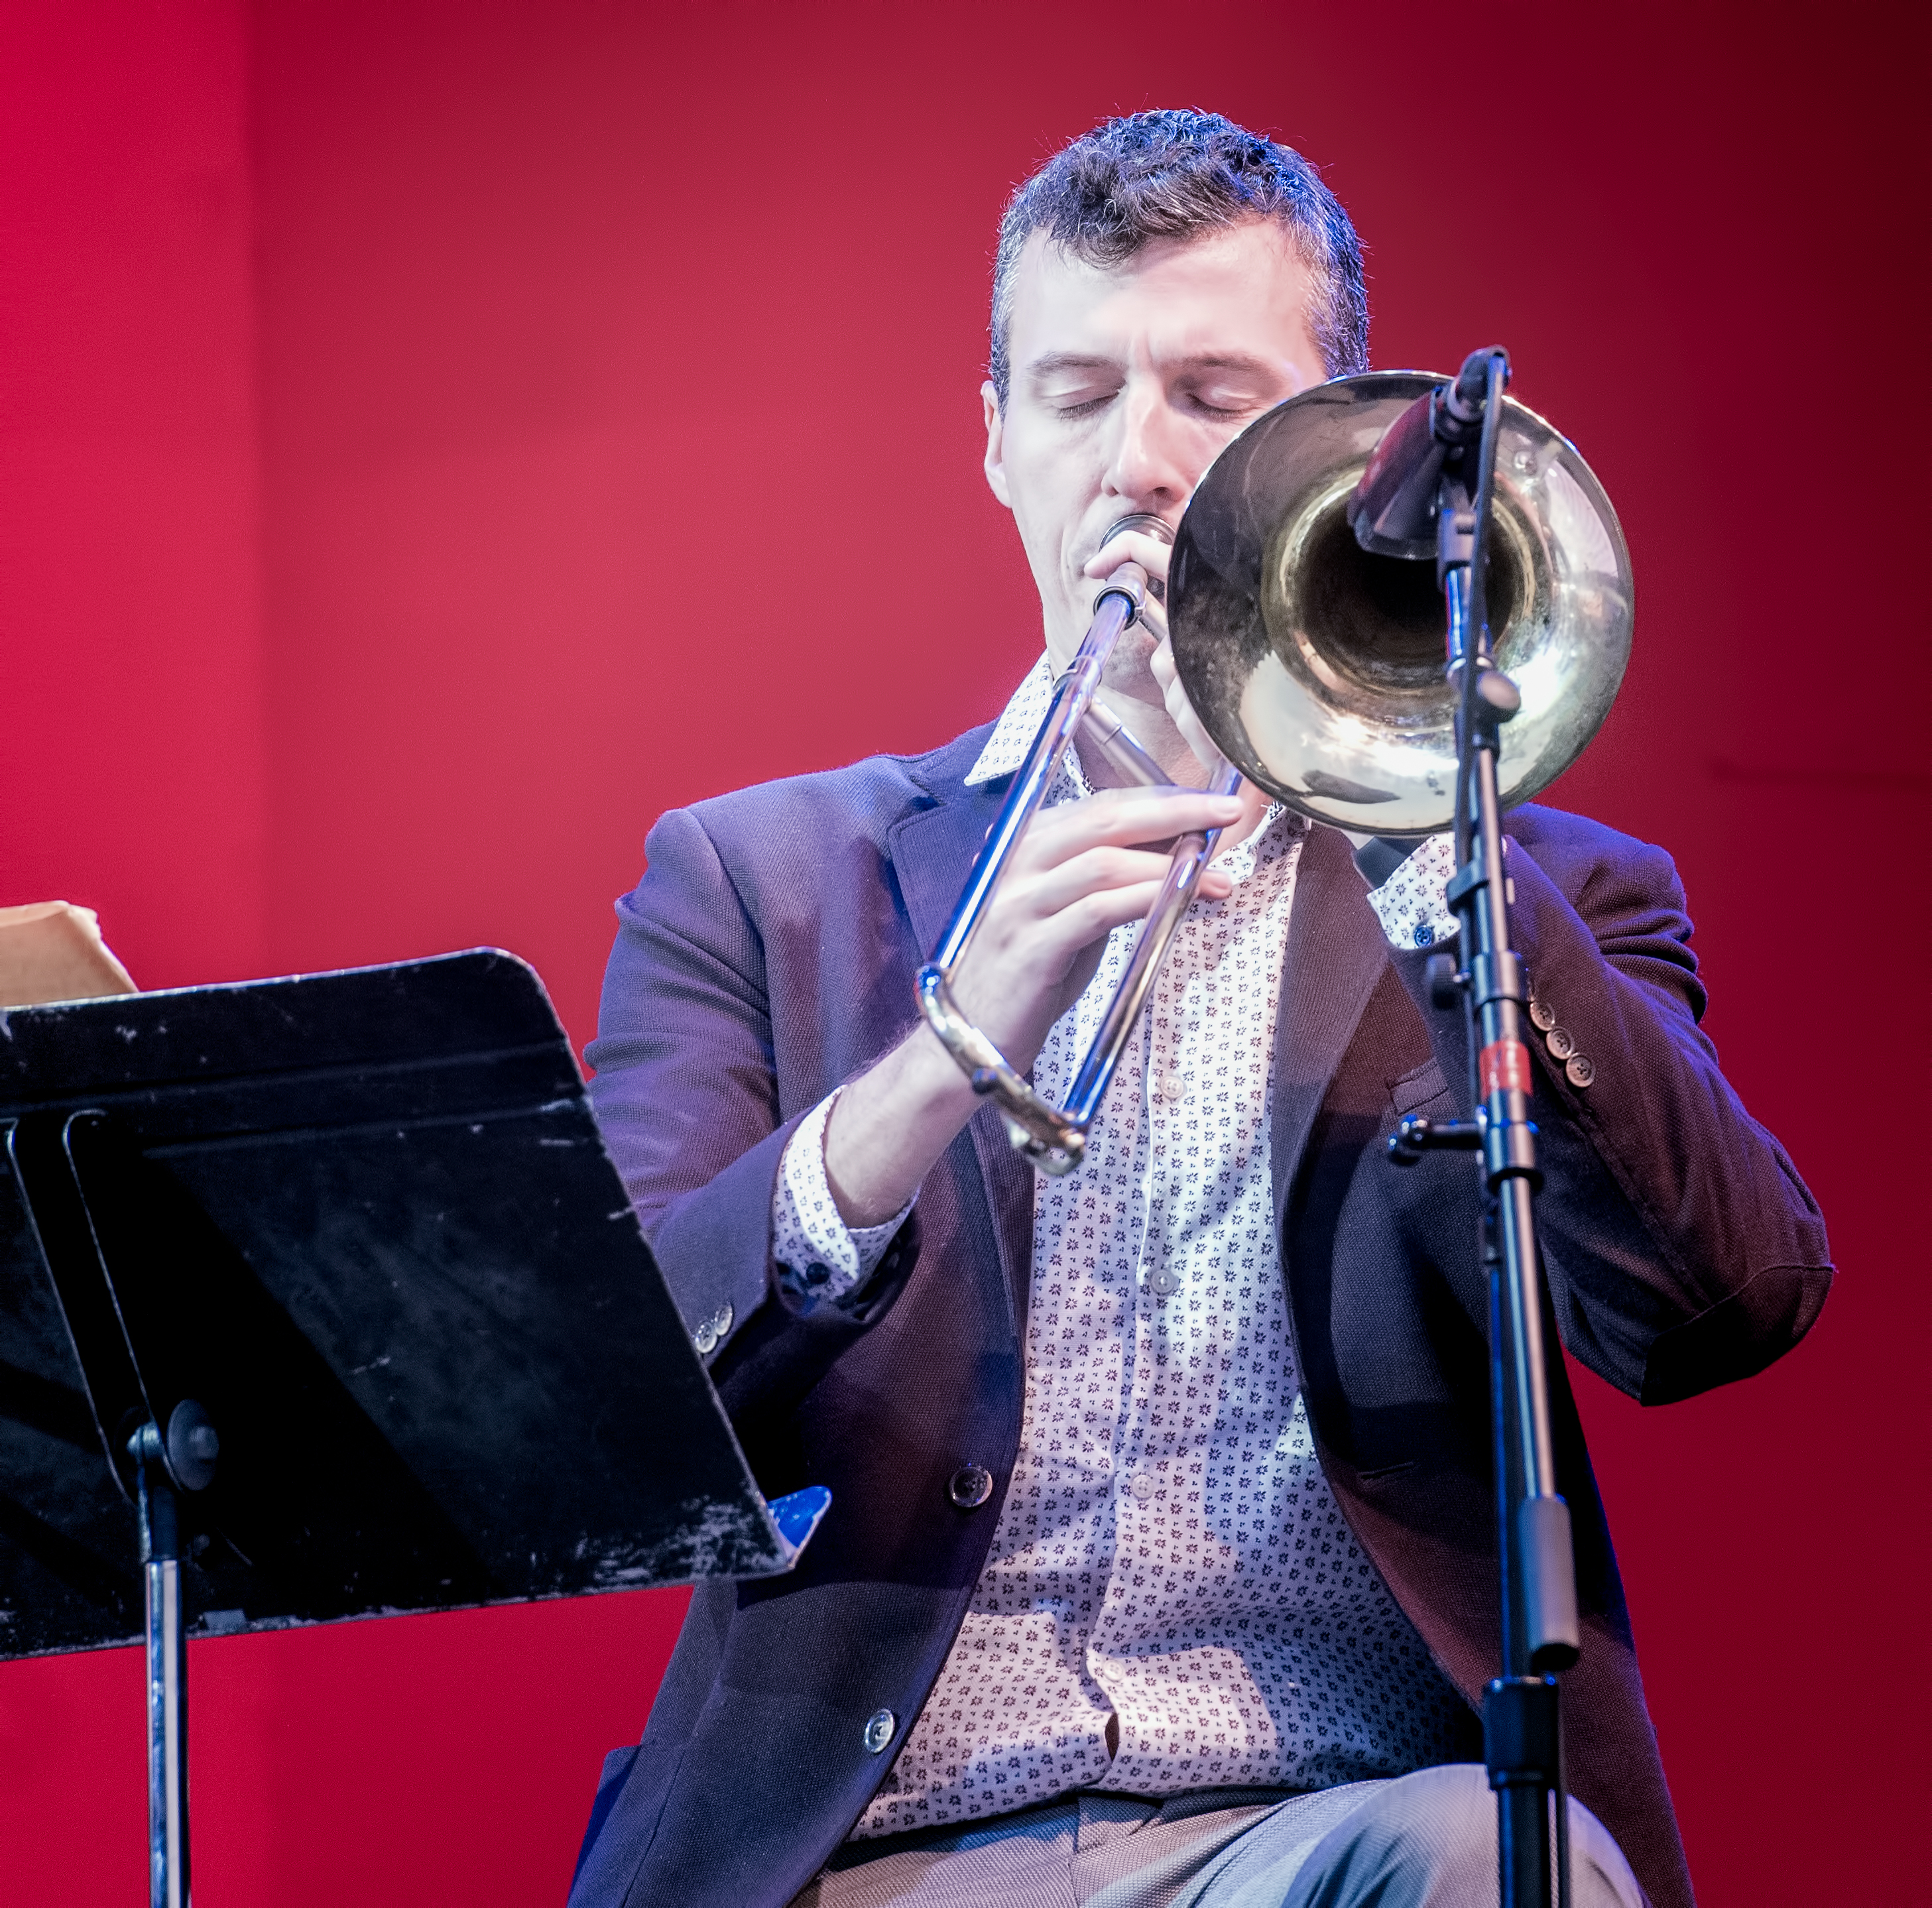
column 1201, row 407
column 1216, row 409
column 1223, row 401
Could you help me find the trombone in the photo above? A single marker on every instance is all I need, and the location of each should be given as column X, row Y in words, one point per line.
column 1317, row 667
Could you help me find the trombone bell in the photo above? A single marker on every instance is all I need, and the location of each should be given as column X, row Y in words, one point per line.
column 1319, row 668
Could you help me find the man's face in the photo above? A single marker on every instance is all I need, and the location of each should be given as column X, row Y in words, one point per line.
column 1125, row 385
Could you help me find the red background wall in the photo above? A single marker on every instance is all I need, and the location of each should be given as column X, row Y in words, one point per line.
column 436, row 436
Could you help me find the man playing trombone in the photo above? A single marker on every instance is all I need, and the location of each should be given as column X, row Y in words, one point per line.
column 1161, row 1562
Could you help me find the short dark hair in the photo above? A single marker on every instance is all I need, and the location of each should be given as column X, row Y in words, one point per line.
column 1177, row 175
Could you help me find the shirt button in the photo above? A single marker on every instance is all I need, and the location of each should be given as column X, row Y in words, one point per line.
column 1143, row 1487
column 1164, row 1283
column 881, row 1726
column 1543, row 1015
column 1579, row 1071
column 1173, row 1086
column 970, row 1486
column 1560, row 1045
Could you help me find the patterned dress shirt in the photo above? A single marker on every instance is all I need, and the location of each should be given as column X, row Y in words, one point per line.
column 1172, row 1599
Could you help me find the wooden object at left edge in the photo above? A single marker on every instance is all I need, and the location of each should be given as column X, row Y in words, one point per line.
column 51, row 950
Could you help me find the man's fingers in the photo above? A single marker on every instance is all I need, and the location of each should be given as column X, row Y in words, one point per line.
column 1121, row 818
column 1050, row 891
column 1097, row 914
column 1094, row 893
column 1130, row 546
column 1180, row 710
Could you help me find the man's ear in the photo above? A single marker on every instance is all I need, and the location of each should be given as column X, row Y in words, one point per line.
column 996, row 443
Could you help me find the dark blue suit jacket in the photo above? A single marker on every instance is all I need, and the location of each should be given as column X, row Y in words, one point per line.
column 768, row 955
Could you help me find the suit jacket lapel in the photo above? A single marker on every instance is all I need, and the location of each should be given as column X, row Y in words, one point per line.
column 931, row 851
column 1335, row 954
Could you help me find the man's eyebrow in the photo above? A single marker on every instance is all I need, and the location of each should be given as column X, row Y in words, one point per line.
column 1231, row 361
column 1070, row 361
column 1204, row 361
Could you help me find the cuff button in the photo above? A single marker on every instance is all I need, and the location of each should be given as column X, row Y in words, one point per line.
column 711, row 1330
column 1559, row 1041
column 1542, row 1015
column 1579, row 1071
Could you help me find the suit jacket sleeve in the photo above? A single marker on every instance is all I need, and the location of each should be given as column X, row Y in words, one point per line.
column 1682, row 1248
column 692, row 1109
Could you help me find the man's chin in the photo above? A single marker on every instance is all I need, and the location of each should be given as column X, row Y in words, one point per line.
column 1130, row 671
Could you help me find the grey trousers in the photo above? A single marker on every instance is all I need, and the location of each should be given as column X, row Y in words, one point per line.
column 1426, row 1840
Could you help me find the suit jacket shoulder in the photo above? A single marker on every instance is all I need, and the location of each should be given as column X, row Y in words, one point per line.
column 797, row 817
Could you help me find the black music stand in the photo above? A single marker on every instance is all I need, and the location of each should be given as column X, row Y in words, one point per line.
column 321, row 1299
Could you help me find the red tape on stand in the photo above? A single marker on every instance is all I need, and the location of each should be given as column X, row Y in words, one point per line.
column 1505, row 1067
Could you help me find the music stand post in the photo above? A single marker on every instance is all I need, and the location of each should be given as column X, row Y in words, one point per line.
column 336, row 1275
column 195, row 1445
column 1522, row 1719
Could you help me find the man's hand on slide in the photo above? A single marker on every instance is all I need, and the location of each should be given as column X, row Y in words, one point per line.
column 1080, row 870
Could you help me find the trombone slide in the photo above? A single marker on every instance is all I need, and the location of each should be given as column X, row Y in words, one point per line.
column 1055, row 1138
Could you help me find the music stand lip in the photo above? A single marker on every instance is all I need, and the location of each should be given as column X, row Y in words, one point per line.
column 365, row 1218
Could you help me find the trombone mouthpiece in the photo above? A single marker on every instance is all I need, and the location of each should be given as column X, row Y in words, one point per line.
column 1147, row 524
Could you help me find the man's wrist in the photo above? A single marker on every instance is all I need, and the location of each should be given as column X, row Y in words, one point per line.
column 890, row 1126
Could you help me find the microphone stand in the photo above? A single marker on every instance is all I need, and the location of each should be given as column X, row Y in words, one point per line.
column 1521, row 1714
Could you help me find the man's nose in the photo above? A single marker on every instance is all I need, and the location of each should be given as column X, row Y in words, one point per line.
column 1146, row 467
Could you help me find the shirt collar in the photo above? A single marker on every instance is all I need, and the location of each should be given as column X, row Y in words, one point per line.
column 1019, row 722
column 1013, row 736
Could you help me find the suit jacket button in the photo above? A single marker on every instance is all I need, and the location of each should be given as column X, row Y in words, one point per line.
column 881, row 1727
column 1560, row 1045
column 1579, row 1071
column 711, row 1330
column 1542, row 1015
column 970, row 1486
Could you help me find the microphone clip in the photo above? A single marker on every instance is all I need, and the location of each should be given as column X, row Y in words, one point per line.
column 1417, row 469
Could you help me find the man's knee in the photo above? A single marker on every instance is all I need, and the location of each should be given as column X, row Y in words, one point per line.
column 1435, row 1831
column 1429, row 1840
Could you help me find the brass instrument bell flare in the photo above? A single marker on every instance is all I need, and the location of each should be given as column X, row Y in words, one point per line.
column 1319, row 668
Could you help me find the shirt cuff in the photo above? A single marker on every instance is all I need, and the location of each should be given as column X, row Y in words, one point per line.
column 821, row 1259
column 1409, row 902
